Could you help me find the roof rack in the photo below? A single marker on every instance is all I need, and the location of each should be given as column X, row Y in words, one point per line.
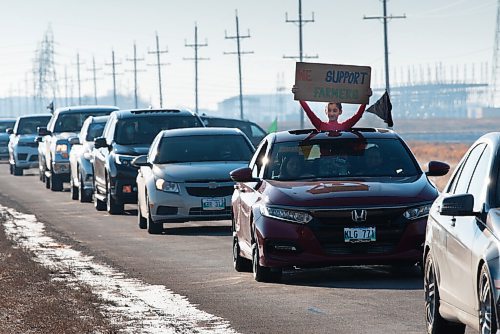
column 148, row 111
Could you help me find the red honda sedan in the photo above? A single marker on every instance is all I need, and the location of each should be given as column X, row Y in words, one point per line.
column 311, row 199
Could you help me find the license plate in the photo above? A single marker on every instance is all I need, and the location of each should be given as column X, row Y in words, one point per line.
column 213, row 203
column 359, row 234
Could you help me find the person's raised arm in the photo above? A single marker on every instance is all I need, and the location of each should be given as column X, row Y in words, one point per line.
column 316, row 122
column 349, row 123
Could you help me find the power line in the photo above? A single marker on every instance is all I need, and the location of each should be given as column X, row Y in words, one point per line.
column 386, row 43
column 135, row 60
column 196, row 46
column 238, row 37
column 158, row 52
column 78, row 63
column 300, row 23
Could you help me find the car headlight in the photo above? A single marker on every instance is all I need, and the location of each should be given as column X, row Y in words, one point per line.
column 167, row 186
column 418, row 212
column 125, row 160
column 61, row 148
column 293, row 216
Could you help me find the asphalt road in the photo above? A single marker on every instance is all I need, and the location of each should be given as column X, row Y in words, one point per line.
column 194, row 260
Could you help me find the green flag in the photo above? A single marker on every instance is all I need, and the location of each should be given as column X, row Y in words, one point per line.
column 274, row 126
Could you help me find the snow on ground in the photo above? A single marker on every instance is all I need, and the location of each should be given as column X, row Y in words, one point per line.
column 129, row 302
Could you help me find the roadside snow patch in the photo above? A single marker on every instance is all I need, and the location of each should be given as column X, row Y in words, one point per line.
column 139, row 307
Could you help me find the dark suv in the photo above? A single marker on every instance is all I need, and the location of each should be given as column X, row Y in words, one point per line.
column 128, row 134
column 312, row 198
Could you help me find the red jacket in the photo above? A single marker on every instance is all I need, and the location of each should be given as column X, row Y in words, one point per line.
column 334, row 125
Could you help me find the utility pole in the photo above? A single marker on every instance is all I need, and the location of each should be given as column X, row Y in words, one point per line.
column 113, row 73
column 66, row 86
column 135, row 60
column 79, row 79
column 158, row 52
column 386, row 44
column 238, row 37
column 196, row 46
column 300, row 23
column 94, row 78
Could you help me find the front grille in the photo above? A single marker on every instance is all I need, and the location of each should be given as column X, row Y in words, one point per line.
column 22, row 156
column 200, row 212
column 328, row 227
column 29, row 144
column 207, row 192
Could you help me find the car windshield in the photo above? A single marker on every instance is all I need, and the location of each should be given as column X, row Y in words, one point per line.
column 28, row 126
column 341, row 158
column 203, row 148
column 4, row 125
column 72, row 122
column 142, row 130
column 94, row 131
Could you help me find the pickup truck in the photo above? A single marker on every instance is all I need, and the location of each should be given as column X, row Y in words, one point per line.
column 54, row 141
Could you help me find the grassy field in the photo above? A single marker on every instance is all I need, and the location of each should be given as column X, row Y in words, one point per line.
column 451, row 153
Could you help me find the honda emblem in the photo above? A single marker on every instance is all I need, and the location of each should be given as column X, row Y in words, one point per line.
column 358, row 215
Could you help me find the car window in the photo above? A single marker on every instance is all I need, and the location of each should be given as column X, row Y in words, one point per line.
column 257, row 132
column 340, row 157
column 29, row 125
column 203, row 148
column 142, row 130
column 94, row 130
column 5, row 125
column 463, row 180
column 480, row 180
column 72, row 122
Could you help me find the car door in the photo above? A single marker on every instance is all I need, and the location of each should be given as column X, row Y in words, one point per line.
column 248, row 196
column 100, row 157
column 460, row 237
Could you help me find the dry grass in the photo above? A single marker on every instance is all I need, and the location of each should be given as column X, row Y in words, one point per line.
column 451, row 153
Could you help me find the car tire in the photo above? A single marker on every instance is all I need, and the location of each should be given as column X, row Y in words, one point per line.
column 112, row 207
column 263, row 274
column 47, row 182
column 153, row 228
column 98, row 204
column 487, row 311
column 84, row 196
column 435, row 323
column 240, row 264
column 17, row 171
column 141, row 221
column 74, row 189
column 56, row 183
column 11, row 170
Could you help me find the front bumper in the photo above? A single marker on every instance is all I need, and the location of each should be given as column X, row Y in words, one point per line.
column 25, row 157
column 124, row 190
column 286, row 245
column 191, row 203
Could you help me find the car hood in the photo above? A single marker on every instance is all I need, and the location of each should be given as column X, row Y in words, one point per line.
column 197, row 171
column 132, row 150
column 368, row 192
column 26, row 138
column 65, row 135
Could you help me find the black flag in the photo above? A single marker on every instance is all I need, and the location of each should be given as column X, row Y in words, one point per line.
column 382, row 108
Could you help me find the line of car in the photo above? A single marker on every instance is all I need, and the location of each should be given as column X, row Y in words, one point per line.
column 301, row 199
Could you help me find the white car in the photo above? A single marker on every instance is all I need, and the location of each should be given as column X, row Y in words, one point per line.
column 185, row 175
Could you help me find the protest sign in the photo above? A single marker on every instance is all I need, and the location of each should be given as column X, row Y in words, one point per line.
column 332, row 83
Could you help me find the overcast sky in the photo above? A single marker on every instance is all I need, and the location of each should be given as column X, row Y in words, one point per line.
column 454, row 33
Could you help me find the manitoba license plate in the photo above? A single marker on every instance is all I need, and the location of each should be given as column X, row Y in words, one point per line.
column 359, row 234
column 213, row 203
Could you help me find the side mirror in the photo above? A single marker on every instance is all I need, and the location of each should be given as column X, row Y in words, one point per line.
column 100, row 142
column 437, row 168
column 243, row 174
column 141, row 161
column 458, row 205
column 74, row 141
column 9, row 131
column 42, row 131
